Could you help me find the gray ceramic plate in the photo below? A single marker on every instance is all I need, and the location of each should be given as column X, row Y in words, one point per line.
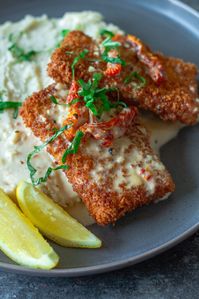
column 171, row 27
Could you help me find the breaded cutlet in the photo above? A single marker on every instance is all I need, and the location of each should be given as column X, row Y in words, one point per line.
column 174, row 98
column 110, row 181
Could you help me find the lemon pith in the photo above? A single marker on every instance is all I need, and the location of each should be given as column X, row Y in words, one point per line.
column 20, row 240
column 52, row 220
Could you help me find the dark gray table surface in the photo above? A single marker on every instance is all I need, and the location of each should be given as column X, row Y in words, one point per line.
column 173, row 274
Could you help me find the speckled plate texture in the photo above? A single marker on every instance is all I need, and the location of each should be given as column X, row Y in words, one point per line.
column 173, row 28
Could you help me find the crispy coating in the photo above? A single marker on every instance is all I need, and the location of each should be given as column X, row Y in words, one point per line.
column 175, row 98
column 60, row 66
column 150, row 60
column 97, row 189
column 172, row 99
column 94, row 172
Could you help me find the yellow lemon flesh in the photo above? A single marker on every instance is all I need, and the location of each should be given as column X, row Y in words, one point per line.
column 20, row 240
column 53, row 221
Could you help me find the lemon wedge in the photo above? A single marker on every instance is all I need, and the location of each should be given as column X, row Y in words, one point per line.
column 52, row 220
column 20, row 240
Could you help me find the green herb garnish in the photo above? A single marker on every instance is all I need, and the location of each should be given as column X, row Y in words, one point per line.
column 113, row 60
column 36, row 150
column 95, row 98
column 74, row 146
column 65, row 32
column 105, row 32
column 76, row 60
column 9, row 105
column 19, row 53
column 109, row 45
column 135, row 75
column 55, row 101
column 74, row 101
column 16, row 112
column 47, row 174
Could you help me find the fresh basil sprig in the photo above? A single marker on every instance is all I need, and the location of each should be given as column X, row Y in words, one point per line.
column 74, row 146
column 55, row 101
column 105, row 32
column 95, row 98
column 76, row 60
column 63, row 34
column 109, row 45
column 10, row 105
column 36, row 150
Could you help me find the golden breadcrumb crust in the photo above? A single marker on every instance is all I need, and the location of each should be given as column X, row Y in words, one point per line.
column 103, row 202
column 174, row 99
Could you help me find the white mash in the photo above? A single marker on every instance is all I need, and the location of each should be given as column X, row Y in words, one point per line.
column 19, row 80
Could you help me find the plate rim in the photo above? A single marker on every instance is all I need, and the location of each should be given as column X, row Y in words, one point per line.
column 107, row 267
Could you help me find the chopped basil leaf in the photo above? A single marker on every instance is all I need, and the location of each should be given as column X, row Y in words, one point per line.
column 73, row 148
column 20, row 55
column 56, row 46
column 64, row 32
column 95, row 98
column 96, row 79
column 9, row 105
column 114, row 60
column 16, row 112
column 17, row 52
column 74, row 101
column 135, row 75
column 109, row 44
column 54, row 100
column 107, row 33
column 36, row 150
column 47, row 174
column 90, row 105
column 76, row 60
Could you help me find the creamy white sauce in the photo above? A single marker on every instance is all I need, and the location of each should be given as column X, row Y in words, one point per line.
column 160, row 131
column 19, row 80
column 132, row 177
column 127, row 167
